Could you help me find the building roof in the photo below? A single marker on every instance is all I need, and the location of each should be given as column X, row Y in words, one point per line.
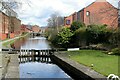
column 100, row 1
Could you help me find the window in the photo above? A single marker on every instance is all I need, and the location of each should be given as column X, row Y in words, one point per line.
column 67, row 22
column 88, row 13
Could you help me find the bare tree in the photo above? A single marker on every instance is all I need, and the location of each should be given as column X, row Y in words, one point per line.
column 10, row 8
column 55, row 21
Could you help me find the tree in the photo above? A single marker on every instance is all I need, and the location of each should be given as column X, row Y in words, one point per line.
column 76, row 25
column 115, row 38
column 55, row 21
column 80, row 36
column 98, row 34
column 10, row 8
column 64, row 36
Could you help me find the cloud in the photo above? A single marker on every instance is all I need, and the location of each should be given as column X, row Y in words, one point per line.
column 39, row 10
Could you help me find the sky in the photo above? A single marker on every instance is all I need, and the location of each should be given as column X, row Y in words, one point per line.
column 37, row 12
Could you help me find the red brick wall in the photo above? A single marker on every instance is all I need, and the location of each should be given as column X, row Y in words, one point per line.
column 5, row 23
column 16, row 23
column 80, row 16
column 27, row 30
column 72, row 18
column 101, row 13
column 65, row 20
column 36, row 28
column 3, row 36
column 0, row 22
column 12, row 35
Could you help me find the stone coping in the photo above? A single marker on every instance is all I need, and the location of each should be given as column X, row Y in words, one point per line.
column 84, row 69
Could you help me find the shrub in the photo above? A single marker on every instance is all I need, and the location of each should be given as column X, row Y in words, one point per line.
column 76, row 25
column 65, row 35
column 116, row 51
column 97, row 34
column 80, row 36
column 63, row 38
column 115, row 38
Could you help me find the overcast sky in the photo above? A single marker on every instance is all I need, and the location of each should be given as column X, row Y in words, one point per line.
column 38, row 11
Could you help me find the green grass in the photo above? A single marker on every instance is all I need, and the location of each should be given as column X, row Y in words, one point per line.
column 8, row 43
column 6, row 39
column 103, row 63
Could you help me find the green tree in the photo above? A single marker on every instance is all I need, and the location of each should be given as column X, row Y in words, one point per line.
column 97, row 33
column 65, row 36
column 80, row 36
column 115, row 38
column 76, row 25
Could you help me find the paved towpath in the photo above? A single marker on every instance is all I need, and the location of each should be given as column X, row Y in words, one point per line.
column 13, row 67
column 2, row 42
column 4, row 60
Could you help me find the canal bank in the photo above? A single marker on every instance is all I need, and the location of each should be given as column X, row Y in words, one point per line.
column 74, row 69
column 13, row 67
column 10, row 66
column 4, row 61
column 36, row 66
column 6, row 43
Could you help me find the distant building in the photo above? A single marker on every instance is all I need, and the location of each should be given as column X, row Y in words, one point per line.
column 35, row 28
column 25, row 28
column 42, row 29
column 99, row 12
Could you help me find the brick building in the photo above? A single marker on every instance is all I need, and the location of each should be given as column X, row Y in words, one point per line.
column 4, row 26
column 9, row 26
column 16, row 23
column 98, row 12
column 25, row 28
column 35, row 28
column 9, row 23
column 69, row 19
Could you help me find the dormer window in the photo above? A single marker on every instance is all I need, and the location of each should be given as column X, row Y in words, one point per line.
column 87, row 13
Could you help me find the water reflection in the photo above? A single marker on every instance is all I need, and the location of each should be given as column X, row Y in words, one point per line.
column 35, row 59
column 41, row 70
column 38, row 43
column 19, row 42
column 40, row 67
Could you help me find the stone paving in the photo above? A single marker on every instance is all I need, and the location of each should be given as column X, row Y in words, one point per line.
column 9, row 65
column 4, row 60
column 13, row 67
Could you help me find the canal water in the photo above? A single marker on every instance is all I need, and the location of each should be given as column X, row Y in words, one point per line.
column 36, row 67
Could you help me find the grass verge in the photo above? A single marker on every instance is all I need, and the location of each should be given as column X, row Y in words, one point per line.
column 97, row 60
column 8, row 43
